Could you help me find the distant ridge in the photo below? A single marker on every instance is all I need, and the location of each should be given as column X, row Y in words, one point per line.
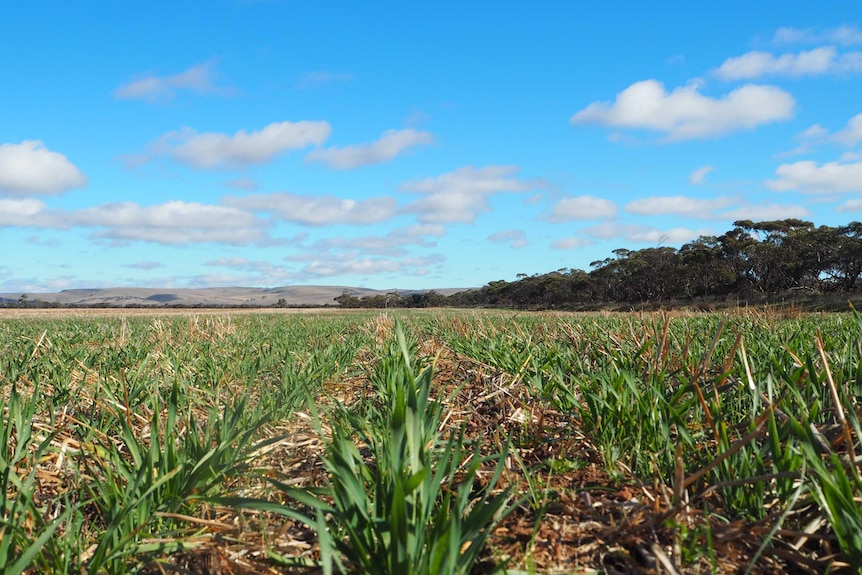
column 307, row 295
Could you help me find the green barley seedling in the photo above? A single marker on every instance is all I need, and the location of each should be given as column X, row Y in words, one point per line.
column 184, row 461
column 416, row 506
column 24, row 532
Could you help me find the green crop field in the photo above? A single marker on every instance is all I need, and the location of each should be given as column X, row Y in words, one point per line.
column 430, row 442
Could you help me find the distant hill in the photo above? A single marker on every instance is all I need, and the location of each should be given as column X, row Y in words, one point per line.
column 216, row 297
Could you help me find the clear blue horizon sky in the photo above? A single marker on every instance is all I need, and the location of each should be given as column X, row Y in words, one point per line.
column 393, row 145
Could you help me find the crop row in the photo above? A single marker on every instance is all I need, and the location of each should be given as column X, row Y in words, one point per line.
column 431, row 444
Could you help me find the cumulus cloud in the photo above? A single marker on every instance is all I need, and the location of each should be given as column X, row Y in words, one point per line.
column 487, row 180
column 317, row 210
column 698, row 177
column 809, row 139
column 819, row 61
column 764, row 212
column 570, row 243
column 812, row 178
column 21, row 212
column 436, row 230
column 685, row 113
column 851, row 134
column 637, row 233
column 365, row 255
column 460, row 196
column 677, row 205
column 449, row 207
column 212, row 150
column 361, row 266
column 582, row 208
column 29, row 168
column 174, row 222
column 392, row 245
column 814, row 132
column 352, row 264
column 152, row 88
column 711, row 209
column 850, row 206
column 390, row 144
column 816, row 135
column 515, row 238
column 842, row 35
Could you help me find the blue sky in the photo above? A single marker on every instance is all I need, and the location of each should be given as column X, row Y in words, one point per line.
column 386, row 144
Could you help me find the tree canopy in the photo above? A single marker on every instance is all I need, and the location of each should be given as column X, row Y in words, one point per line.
column 751, row 259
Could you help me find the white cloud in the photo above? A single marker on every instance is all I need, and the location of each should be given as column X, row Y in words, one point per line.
column 842, row 35
column 174, row 222
column 813, row 132
column 216, row 150
column 851, row 134
column 816, row 135
column 824, row 60
column 698, row 177
column 637, row 233
column 32, row 285
column 449, row 207
column 582, row 208
column 712, row 209
column 460, row 196
column 436, row 230
column 677, row 205
column 570, row 243
column 685, row 114
column 200, row 78
column 809, row 139
column 359, row 266
column 515, row 238
column 31, row 168
column 764, row 212
column 392, row 245
column 487, row 180
column 365, row 255
column 811, row 178
column 850, row 206
column 390, row 144
column 317, row 210
column 20, row 212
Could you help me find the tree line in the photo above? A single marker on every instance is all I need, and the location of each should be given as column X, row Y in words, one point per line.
column 752, row 260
